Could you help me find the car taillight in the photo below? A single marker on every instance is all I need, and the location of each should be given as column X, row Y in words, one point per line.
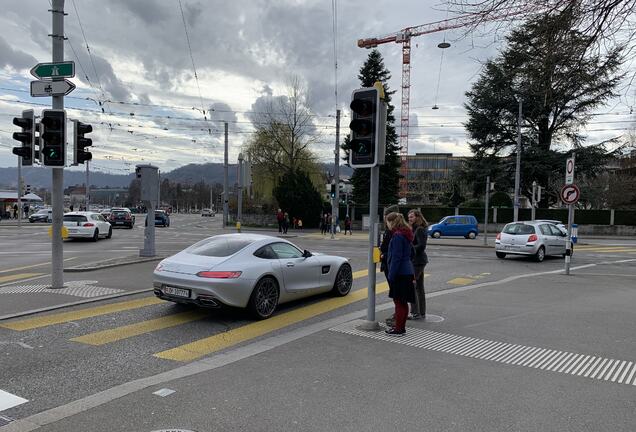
column 127, row 216
column 89, row 224
column 499, row 236
column 532, row 238
column 219, row 274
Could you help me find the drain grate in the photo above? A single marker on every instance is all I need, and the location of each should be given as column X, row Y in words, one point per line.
column 582, row 365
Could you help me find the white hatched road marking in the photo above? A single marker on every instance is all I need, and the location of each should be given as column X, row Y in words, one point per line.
column 8, row 400
column 80, row 288
column 587, row 366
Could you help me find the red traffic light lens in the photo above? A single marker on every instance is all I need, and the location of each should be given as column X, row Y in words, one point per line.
column 362, row 107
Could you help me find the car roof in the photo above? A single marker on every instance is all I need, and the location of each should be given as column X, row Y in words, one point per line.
column 533, row 223
column 81, row 213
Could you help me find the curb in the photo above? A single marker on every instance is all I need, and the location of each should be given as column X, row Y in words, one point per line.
column 77, row 303
column 105, row 266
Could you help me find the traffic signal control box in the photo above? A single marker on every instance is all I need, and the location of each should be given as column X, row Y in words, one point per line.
column 53, row 138
column 368, row 128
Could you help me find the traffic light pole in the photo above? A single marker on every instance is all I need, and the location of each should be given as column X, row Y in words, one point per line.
column 87, row 204
column 57, row 195
column 19, row 192
column 335, row 200
column 371, row 323
column 225, row 185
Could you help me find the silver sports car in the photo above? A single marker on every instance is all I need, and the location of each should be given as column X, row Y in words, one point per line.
column 249, row 270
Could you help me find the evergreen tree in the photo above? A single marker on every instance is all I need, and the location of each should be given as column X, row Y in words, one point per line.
column 374, row 70
column 297, row 196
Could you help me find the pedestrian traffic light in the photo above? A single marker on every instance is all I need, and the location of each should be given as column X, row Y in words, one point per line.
column 53, row 137
column 368, row 126
column 25, row 137
column 80, row 142
column 333, row 190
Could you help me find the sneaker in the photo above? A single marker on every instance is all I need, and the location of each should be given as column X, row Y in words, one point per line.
column 415, row 316
column 390, row 322
column 394, row 332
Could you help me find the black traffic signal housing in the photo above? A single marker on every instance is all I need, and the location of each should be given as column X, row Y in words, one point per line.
column 368, row 128
column 333, row 190
column 80, row 142
column 53, row 138
column 26, row 137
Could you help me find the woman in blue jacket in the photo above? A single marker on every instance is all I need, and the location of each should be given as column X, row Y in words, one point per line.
column 401, row 274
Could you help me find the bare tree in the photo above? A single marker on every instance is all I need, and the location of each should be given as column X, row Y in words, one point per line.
column 285, row 133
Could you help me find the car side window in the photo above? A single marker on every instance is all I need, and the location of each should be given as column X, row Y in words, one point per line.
column 286, row 251
column 545, row 230
column 265, row 252
column 451, row 220
column 556, row 231
column 95, row 217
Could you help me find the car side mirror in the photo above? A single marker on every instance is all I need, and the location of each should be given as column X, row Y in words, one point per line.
column 306, row 254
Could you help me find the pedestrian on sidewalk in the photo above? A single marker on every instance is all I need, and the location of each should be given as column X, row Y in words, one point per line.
column 285, row 223
column 420, row 259
column 279, row 218
column 401, row 273
column 300, row 224
column 348, row 225
column 15, row 211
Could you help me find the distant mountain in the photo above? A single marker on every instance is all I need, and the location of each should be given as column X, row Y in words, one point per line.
column 192, row 173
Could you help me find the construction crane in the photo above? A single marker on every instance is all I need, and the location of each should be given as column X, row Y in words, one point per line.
column 404, row 37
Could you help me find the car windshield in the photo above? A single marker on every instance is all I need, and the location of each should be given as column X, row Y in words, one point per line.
column 75, row 218
column 218, row 246
column 518, row 229
column 43, row 211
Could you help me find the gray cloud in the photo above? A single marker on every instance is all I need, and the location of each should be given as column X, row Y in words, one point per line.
column 14, row 58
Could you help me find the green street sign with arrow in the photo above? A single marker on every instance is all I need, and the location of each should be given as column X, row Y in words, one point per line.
column 54, row 70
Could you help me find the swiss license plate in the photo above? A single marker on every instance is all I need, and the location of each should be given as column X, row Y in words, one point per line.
column 177, row 292
column 72, row 231
column 119, row 223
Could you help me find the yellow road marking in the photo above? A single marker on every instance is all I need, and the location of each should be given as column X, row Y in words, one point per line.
column 125, row 332
column 608, row 249
column 202, row 347
column 64, row 317
column 461, row 281
column 15, row 277
column 32, row 265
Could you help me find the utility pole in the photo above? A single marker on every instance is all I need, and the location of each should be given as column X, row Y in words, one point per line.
column 518, row 170
column 534, row 199
column 568, row 243
column 57, row 193
column 19, row 192
column 486, row 212
column 335, row 200
column 239, row 215
column 225, row 185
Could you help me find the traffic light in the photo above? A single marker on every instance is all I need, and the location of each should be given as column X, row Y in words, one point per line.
column 333, row 190
column 368, row 128
column 80, row 142
column 53, row 137
column 25, row 137
column 27, row 189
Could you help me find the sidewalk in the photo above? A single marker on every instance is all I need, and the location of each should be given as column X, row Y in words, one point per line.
column 479, row 369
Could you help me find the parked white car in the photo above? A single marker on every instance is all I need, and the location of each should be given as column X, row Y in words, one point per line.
column 87, row 225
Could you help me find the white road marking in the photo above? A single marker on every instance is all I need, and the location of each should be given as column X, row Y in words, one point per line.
column 164, row 392
column 8, row 400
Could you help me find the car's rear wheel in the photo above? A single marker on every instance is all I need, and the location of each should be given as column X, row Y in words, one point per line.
column 500, row 255
column 471, row 235
column 264, row 298
column 344, row 280
column 540, row 255
column 110, row 233
column 96, row 235
column 436, row 234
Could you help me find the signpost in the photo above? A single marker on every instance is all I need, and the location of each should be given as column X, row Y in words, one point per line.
column 51, row 88
column 64, row 69
column 570, row 194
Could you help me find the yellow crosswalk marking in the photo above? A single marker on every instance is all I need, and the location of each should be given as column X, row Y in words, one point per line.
column 202, row 347
column 64, row 317
column 125, row 332
column 461, row 281
column 16, row 277
column 607, row 249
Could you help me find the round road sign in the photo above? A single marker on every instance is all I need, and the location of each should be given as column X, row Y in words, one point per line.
column 570, row 194
column 570, row 166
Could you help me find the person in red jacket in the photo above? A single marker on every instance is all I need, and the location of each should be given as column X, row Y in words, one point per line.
column 280, row 217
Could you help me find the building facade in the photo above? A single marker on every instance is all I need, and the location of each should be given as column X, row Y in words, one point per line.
column 429, row 176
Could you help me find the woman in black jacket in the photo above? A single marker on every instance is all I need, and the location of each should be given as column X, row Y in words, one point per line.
column 420, row 259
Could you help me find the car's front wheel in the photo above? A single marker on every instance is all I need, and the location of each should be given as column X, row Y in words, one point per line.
column 540, row 255
column 436, row 234
column 264, row 298
column 500, row 255
column 344, row 280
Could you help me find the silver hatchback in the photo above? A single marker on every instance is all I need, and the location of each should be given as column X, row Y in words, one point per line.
column 537, row 239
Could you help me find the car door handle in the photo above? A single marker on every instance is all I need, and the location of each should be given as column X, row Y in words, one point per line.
column 290, row 264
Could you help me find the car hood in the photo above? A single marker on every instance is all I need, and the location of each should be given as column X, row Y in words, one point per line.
column 187, row 263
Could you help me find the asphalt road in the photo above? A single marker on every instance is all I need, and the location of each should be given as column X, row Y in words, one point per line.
column 54, row 358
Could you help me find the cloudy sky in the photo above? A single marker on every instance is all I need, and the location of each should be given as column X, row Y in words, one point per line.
column 136, row 83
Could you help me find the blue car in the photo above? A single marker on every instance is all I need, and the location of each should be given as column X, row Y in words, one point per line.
column 460, row 225
column 161, row 219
